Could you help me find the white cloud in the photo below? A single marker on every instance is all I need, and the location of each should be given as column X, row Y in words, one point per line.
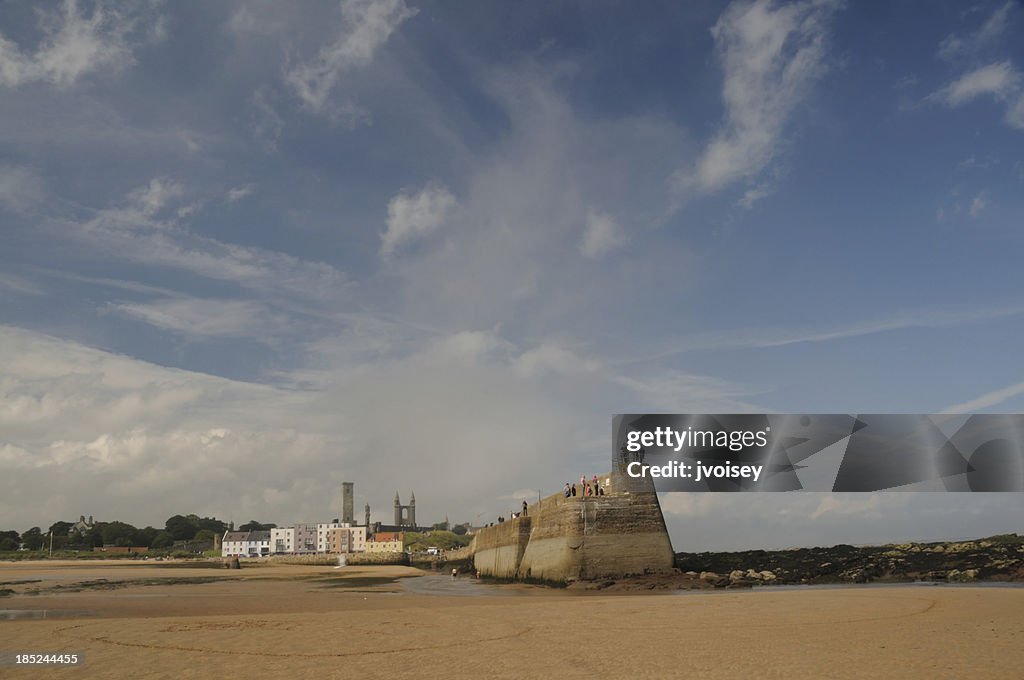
column 771, row 54
column 132, row 231
column 266, row 123
column 20, row 188
column 1015, row 114
column 957, row 45
column 19, row 284
column 414, row 215
column 600, row 236
column 238, row 193
column 869, row 506
column 752, row 338
column 987, row 401
column 208, row 318
column 998, row 80
column 151, row 198
column 978, row 205
column 366, row 26
column 72, row 46
column 160, row 441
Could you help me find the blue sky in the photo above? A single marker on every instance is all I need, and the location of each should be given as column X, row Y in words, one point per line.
column 251, row 249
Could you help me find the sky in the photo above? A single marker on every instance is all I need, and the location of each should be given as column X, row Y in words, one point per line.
column 251, row 249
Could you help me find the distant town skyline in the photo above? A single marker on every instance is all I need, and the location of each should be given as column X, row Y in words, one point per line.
column 249, row 250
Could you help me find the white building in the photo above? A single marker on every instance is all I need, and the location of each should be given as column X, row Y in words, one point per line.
column 297, row 539
column 282, row 540
column 245, row 544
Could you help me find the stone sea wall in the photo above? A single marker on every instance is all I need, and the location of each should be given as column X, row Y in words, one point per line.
column 579, row 538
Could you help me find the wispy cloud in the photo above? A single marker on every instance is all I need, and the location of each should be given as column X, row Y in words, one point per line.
column 987, row 400
column 133, row 230
column 998, row 80
column 20, row 188
column 74, row 45
column 771, row 54
column 751, row 338
column 204, row 318
column 238, row 193
column 958, row 45
column 19, row 284
column 365, row 26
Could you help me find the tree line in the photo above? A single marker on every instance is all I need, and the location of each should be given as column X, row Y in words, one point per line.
column 176, row 528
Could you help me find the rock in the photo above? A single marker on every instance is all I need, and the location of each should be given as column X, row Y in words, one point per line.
column 710, row 576
column 767, row 576
column 736, row 575
column 965, row 576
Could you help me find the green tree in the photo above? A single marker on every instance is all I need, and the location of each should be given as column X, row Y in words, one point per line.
column 181, row 528
column 204, row 535
column 212, row 524
column 93, row 537
column 60, row 528
column 7, row 543
column 253, row 525
column 33, row 538
column 117, row 533
column 459, row 530
column 145, row 536
column 162, row 540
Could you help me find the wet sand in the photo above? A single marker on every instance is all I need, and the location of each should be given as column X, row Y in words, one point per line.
column 148, row 621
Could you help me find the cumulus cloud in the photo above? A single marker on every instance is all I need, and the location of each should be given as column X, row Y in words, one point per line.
column 366, row 26
column 412, row 215
column 73, row 45
column 771, row 54
column 160, row 440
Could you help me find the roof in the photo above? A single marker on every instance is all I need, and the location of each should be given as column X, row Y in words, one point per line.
column 247, row 536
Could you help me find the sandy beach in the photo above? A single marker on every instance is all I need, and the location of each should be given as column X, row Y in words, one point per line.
column 149, row 621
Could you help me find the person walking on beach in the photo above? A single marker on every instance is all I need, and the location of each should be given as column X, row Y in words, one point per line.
column 523, row 513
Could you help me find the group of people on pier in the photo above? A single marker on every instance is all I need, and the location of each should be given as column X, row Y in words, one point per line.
column 591, row 488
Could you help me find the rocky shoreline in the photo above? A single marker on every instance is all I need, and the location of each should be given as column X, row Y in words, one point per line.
column 995, row 559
